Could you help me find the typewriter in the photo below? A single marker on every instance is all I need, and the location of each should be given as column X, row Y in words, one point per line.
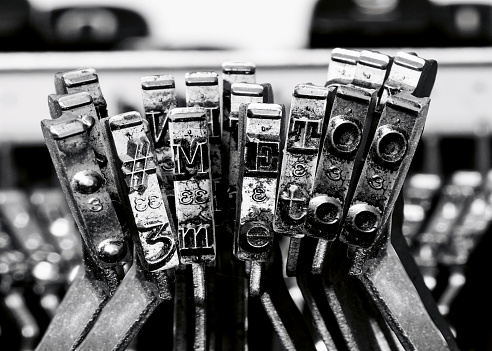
column 220, row 211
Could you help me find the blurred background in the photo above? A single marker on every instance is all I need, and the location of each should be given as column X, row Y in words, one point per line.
column 290, row 43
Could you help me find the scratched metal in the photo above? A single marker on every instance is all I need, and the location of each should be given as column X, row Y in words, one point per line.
column 124, row 315
column 390, row 154
column 260, row 142
column 202, row 90
column 241, row 93
column 351, row 108
column 159, row 97
column 342, row 66
column 157, row 240
column 82, row 80
column 81, row 179
column 300, row 158
column 193, row 184
column 403, row 306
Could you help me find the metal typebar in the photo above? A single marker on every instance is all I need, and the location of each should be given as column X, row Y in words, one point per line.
column 233, row 320
column 152, row 276
column 105, row 247
column 159, row 97
column 194, row 203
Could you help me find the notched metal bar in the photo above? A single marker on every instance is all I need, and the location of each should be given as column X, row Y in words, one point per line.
column 260, row 142
column 391, row 151
column 82, row 80
column 300, row 158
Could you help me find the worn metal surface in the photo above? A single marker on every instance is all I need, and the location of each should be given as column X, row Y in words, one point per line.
column 124, row 314
column 241, row 93
column 159, row 97
column 202, row 90
column 192, row 184
column 76, row 314
column 300, row 157
column 194, row 203
column 260, row 142
column 156, row 239
column 385, row 168
column 67, row 139
column 337, row 169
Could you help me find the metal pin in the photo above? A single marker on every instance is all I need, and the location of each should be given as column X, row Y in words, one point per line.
column 82, row 80
column 260, row 142
column 157, row 241
column 194, row 202
column 391, row 151
column 300, row 158
column 159, row 97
